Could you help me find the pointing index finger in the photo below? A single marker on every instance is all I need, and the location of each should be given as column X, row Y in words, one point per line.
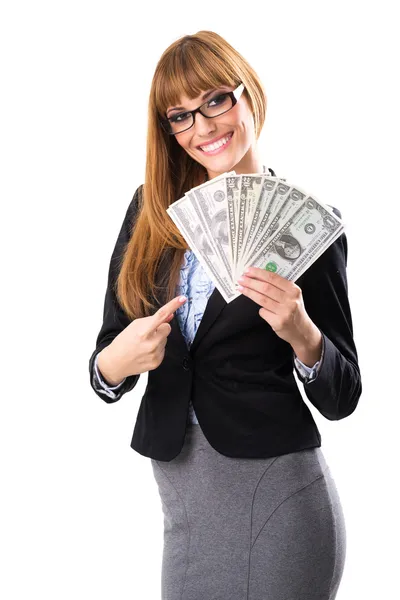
column 162, row 314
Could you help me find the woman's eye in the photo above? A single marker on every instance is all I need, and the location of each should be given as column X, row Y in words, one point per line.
column 218, row 99
column 179, row 118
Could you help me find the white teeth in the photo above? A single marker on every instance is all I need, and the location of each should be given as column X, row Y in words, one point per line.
column 220, row 142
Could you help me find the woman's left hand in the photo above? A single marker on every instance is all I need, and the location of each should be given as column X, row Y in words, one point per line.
column 281, row 301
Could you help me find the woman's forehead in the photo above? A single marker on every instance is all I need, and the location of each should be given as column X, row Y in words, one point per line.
column 179, row 86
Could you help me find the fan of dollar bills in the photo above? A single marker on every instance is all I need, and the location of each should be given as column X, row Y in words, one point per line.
column 235, row 221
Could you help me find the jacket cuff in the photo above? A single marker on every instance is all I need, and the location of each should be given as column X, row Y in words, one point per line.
column 100, row 381
column 309, row 374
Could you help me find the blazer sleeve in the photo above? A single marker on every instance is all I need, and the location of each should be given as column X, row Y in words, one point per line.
column 114, row 317
column 100, row 382
column 336, row 389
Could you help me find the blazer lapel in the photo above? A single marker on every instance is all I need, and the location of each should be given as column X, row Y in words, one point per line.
column 213, row 308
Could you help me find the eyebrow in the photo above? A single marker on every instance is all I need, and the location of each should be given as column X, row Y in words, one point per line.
column 204, row 97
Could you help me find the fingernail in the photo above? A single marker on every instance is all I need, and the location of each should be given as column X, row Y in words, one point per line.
column 182, row 298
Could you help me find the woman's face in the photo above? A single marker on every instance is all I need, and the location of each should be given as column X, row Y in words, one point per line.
column 238, row 154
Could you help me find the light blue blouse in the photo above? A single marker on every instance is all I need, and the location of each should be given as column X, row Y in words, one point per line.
column 195, row 284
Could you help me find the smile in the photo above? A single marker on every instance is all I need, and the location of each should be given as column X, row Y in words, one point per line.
column 218, row 146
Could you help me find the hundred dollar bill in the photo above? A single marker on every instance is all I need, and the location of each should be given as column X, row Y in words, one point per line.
column 238, row 198
column 232, row 196
column 250, row 188
column 209, row 201
column 309, row 231
column 267, row 228
column 185, row 218
column 260, row 216
column 233, row 187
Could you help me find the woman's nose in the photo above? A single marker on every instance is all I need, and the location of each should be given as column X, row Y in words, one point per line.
column 202, row 125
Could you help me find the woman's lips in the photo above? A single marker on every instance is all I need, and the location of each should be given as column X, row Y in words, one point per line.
column 220, row 149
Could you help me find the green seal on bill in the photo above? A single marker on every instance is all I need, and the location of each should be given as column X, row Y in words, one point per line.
column 271, row 266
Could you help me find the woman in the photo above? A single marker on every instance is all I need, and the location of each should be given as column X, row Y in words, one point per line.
column 251, row 510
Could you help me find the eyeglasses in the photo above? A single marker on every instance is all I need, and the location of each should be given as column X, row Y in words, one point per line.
column 219, row 104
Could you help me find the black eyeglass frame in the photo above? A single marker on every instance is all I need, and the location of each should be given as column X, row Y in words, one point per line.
column 234, row 94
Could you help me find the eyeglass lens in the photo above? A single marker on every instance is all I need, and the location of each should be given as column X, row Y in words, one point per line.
column 212, row 108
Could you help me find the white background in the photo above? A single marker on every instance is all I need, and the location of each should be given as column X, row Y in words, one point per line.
column 81, row 515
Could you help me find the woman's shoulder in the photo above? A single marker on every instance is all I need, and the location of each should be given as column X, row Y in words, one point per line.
column 134, row 205
column 137, row 198
column 335, row 210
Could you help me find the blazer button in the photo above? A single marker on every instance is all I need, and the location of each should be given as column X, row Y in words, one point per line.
column 185, row 364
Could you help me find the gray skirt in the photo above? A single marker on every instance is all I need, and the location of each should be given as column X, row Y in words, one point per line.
column 249, row 528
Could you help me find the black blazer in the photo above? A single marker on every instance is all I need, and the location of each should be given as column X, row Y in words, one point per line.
column 238, row 373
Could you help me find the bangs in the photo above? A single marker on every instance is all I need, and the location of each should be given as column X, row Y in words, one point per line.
column 188, row 70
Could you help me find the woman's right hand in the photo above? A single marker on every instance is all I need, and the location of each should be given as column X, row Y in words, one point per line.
column 140, row 347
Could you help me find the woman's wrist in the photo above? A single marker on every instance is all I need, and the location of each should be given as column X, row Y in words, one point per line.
column 108, row 368
column 309, row 348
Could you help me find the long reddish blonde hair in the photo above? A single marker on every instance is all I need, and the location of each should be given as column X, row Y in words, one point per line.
column 190, row 65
